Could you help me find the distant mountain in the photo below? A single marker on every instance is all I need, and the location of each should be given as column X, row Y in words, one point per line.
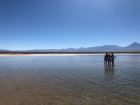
column 1, row 50
column 134, row 47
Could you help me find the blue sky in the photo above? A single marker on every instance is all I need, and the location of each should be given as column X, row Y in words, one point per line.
column 45, row 24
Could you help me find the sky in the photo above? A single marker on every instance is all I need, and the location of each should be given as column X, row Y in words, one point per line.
column 46, row 24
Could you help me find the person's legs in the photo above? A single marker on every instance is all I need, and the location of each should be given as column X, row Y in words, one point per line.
column 109, row 62
column 105, row 62
column 112, row 62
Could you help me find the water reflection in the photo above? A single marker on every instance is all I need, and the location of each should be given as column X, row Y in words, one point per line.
column 109, row 73
column 69, row 80
column 109, row 70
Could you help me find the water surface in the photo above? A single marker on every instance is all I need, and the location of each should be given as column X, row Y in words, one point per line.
column 69, row 80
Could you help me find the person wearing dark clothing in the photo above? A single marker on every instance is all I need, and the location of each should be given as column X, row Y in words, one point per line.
column 112, row 58
column 109, row 60
column 105, row 59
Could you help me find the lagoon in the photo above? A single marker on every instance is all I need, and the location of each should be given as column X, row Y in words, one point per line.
column 69, row 80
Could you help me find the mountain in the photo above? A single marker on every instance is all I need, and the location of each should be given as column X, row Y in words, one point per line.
column 3, row 50
column 134, row 47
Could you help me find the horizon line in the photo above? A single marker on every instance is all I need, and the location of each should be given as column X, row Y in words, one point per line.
column 67, row 48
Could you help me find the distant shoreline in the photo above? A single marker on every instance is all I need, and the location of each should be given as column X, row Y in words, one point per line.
column 68, row 52
column 59, row 53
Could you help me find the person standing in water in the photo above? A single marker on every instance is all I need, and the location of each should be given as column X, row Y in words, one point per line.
column 105, row 59
column 109, row 60
column 112, row 58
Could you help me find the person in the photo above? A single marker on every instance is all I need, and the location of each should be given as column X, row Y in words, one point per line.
column 105, row 59
column 112, row 58
column 109, row 60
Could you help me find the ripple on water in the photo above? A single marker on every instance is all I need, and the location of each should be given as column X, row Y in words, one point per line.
column 69, row 80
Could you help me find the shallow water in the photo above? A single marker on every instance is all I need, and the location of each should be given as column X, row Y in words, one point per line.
column 69, row 80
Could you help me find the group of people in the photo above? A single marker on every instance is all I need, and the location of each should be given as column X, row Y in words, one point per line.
column 109, row 59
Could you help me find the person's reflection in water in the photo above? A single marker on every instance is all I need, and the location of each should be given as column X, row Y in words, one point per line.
column 109, row 76
column 109, row 70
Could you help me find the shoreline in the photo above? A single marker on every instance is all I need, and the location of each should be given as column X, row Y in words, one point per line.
column 2, row 54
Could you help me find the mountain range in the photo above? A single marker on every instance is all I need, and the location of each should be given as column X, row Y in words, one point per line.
column 134, row 47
